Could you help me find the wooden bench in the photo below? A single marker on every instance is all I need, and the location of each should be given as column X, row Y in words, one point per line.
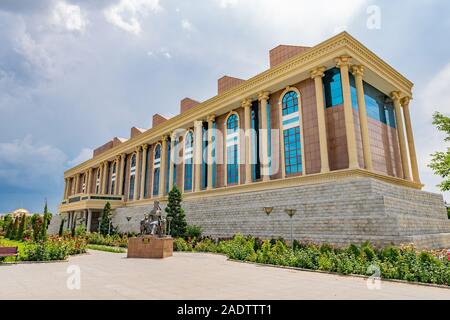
column 9, row 252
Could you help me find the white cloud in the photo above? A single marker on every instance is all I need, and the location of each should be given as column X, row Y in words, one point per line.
column 186, row 25
column 84, row 155
column 24, row 163
column 69, row 16
column 435, row 97
column 35, row 54
column 307, row 20
column 127, row 14
column 227, row 3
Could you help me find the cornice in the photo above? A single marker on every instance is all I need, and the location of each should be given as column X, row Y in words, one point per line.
column 339, row 45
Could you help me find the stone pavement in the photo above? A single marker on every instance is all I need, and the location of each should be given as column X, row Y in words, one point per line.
column 189, row 276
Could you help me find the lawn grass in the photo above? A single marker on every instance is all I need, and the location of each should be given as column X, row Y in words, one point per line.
column 106, row 248
column 12, row 243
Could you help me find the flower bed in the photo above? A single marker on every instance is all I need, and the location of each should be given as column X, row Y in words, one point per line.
column 54, row 248
column 401, row 263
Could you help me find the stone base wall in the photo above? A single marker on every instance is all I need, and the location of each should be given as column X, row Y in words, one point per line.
column 348, row 211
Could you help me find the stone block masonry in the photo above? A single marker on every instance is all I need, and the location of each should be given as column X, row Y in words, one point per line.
column 341, row 212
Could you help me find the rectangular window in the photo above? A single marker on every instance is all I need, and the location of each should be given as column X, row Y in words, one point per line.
column 233, row 164
column 378, row 105
column 292, row 150
column 156, row 182
column 332, row 86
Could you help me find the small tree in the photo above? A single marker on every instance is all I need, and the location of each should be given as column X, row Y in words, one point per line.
column 36, row 224
column 61, row 227
column 440, row 163
column 105, row 222
column 15, row 228
column 174, row 211
column 45, row 222
column 22, row 226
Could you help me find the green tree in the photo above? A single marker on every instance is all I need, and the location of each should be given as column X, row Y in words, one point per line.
column 61, row 227
column 22, row 226
column 45, row 223
column 15, row 228
column 105, row 222
column 178, row 223
column 36, row 225
column 440, row 162
column 8, row 225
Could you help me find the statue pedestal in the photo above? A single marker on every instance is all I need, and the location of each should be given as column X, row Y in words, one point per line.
column 150, row 247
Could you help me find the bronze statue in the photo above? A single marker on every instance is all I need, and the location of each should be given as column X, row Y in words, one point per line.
column 154, row 223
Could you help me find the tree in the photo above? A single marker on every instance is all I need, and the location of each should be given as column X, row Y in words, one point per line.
column 36, row 224
column 22, row 226
column 440, row 162
column 61, row 227
column 176, row 213
column 15, row 228
column 46, row 221
column 105, row 222
column 8, row 226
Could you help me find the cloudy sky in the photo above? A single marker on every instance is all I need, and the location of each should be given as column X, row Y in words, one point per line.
column 73, row 74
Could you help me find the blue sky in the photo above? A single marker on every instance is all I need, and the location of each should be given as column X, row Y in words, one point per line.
column 74, row 74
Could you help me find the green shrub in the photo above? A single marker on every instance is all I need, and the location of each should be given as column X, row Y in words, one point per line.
column 193, row 231
column 106, row 248
column 206, row 245
column 239, row 248
column 179, row 244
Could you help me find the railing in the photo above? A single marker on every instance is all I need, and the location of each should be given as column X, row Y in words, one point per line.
column 86, row 197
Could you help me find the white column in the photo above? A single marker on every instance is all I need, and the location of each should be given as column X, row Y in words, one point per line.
column 263, row 97
column 121, row 174
column 317, row 75
column 211, row 120
column 401, row 134
column 162, row 172
column 136, row 174
column 89, row 220
column 144, row 168
column 343, row 63
column 409, row 133
column 173, row 137
column 197, row 155
column 358, row 72
column 247, row 104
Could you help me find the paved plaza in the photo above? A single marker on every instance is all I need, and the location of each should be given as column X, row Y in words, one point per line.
column 188, row 276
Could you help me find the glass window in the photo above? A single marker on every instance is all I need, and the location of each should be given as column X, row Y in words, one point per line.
column 232, row 149
column 188, row 167
column 290, row 103
column 378, row 105
column 113, row 178
column 156, row 166
column 291, row 134
column 132, row 176
column 333, row 88
column 292, row 150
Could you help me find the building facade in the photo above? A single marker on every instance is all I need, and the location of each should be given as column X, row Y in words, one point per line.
column 325, row 131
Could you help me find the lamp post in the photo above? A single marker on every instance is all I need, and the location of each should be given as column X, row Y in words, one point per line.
column 268, row 211
column 128, row 223
column 291, row 213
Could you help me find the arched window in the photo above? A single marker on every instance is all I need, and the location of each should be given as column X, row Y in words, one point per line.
column 232, row 149
column 132, row 176
column 97, row 182
column 291, row 133
column 83, row 187
column 188, row 167
column 113, row 178
column 156, row 170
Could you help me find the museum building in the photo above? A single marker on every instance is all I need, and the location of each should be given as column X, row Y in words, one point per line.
column 324, row 133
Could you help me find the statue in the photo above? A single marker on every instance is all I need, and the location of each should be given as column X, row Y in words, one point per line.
column 154, row 223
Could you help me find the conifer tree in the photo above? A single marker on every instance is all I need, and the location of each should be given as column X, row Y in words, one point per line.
column 105, row 221
column 61, row 227
column 178, row 223
column 45, row 222
column 22, row 226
